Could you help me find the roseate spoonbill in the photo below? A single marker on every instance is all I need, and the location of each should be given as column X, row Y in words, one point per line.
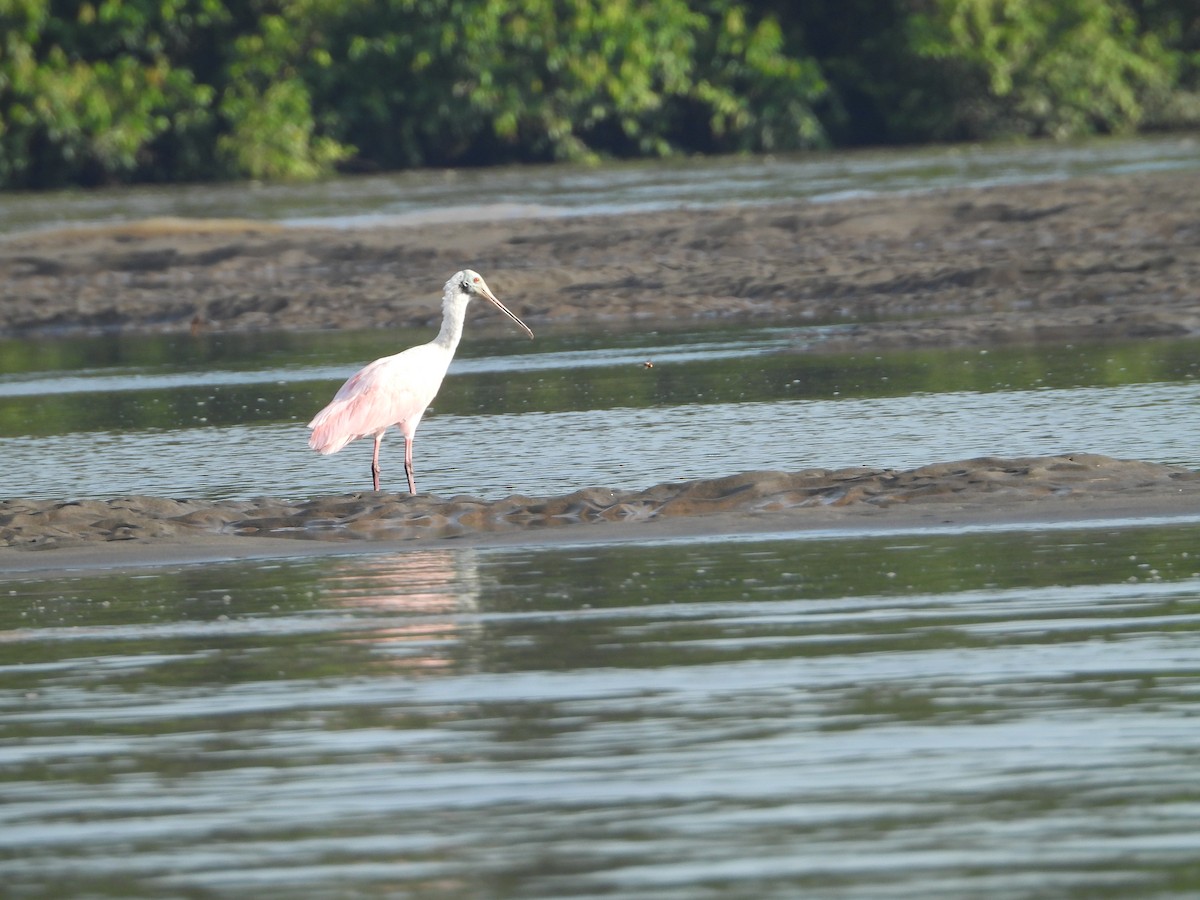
column 396, row 390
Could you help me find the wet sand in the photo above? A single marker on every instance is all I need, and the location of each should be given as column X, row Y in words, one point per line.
column 1074, row 487
column 1075, row 260
column 1064, row 260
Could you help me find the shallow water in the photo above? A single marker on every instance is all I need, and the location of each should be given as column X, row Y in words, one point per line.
column 1001, row 714
column 223, row 417
column 611, row 188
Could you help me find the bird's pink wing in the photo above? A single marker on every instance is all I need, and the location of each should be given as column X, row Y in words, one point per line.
column 380, row 395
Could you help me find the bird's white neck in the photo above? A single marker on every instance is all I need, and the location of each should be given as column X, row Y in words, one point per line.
column 454, row 312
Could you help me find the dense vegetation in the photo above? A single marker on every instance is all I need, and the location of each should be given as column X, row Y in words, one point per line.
column 169, row 90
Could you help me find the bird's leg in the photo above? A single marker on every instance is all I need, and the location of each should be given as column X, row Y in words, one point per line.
column 408, row 466
column 375, row 462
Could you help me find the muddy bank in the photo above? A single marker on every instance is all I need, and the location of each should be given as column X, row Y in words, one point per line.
column 1058, row 486
column 1113, row 257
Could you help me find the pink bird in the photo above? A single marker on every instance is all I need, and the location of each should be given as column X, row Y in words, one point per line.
column 396, row 390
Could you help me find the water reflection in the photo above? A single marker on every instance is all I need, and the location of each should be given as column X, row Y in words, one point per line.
column 905, row 715
column 428, row 600
column 726, row 401
column 148, row 382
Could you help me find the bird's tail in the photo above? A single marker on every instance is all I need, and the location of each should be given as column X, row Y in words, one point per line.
column 328, row 433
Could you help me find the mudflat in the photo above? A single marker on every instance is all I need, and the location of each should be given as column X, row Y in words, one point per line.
column 1091, row 258
column 1074, row 487
column 1072, row 260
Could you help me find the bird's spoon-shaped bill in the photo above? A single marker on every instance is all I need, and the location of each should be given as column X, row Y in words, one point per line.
column 486, row 292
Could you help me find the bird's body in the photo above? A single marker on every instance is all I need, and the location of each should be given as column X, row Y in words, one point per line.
column 396, row 390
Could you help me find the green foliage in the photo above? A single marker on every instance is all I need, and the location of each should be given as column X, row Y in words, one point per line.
column 81, row 99
column 139, row 90
column 271, row 130
column 1176, row 24
column 561, row 79
column 1047, row 69
column 979, row 69
column 761, row 97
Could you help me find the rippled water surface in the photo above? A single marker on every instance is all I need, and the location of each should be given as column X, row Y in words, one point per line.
column 223, row 415
column 1002, row 714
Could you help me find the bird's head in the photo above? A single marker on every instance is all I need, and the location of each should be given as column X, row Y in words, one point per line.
column 469, row 284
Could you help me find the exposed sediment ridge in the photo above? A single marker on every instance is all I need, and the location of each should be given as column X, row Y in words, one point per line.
column 953, row 486
column 1092, row 258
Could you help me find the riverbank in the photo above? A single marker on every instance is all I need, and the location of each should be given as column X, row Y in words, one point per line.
column 1083, row 259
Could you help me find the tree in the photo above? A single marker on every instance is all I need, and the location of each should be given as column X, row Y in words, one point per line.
column 85, row 98
column 1024, row 67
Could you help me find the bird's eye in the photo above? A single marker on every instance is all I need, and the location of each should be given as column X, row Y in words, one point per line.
column 466, row 286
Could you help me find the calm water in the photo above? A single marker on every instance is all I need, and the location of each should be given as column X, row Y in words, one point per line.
column 1000, row 714
column 997, row 713
column 613, row 188
column 223, row 416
